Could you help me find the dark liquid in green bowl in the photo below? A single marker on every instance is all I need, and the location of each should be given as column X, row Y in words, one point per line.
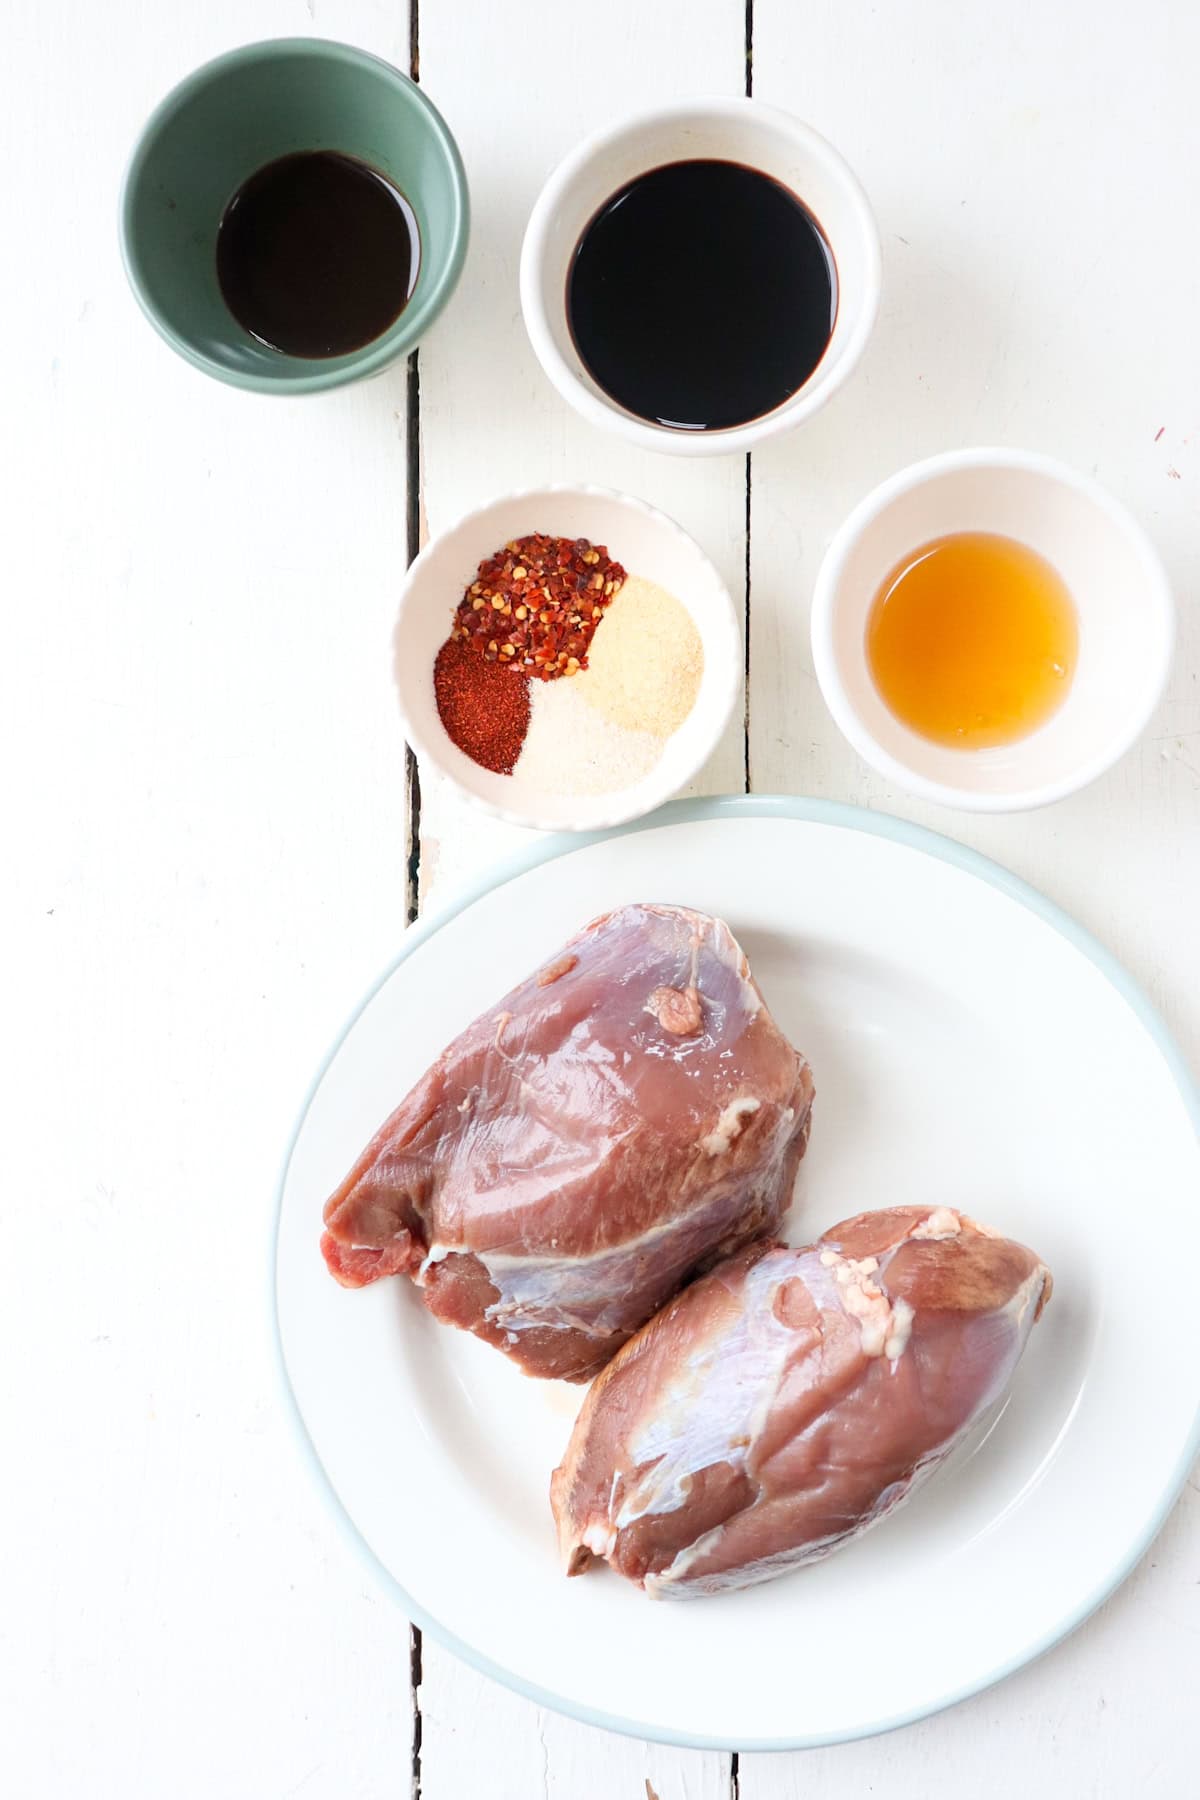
column 317, row 254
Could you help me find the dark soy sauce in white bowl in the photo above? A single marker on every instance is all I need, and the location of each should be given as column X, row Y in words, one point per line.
column 702, row 295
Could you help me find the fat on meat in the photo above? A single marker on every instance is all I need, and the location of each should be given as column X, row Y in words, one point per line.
column 624, row 1118
column 791, row 1398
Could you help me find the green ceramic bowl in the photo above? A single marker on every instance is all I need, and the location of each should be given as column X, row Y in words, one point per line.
column 224, row 122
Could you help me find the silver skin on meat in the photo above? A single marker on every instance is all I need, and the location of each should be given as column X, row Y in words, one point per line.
column 792, row 1398
column 625, row 1117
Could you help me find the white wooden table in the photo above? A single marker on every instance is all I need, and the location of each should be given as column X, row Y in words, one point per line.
column 211, row 849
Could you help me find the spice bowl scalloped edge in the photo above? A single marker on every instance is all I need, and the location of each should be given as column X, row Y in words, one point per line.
column 649, row 543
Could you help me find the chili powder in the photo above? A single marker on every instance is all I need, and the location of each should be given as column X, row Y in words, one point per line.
column 531, row 611
column 484, row 711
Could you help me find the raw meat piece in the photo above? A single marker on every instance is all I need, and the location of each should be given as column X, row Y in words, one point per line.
column 791, row 1398
column 628, row 1115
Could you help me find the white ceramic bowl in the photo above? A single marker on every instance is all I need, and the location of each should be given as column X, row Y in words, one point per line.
column 1121, row 594
column 649, row 544
column 731, row 130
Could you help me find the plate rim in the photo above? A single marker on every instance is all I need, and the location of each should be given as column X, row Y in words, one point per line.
column 685, row 812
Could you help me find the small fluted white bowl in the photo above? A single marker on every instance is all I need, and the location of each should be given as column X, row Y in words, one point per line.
column 730, row 130
column 648, row 544
column 1115, row 577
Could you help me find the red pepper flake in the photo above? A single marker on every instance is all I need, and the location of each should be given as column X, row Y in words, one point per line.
column 532, row 610
column 484, row 711
column 535, row 605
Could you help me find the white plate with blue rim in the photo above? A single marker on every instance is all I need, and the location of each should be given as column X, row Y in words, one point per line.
column 971, row 1046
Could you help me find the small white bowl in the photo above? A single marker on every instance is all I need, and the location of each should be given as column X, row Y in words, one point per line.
column 648, row 544
column 743, row 131
column 1121, row 595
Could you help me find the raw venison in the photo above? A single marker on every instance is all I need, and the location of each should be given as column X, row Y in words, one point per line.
column 791, row 1398
column 625, row 1117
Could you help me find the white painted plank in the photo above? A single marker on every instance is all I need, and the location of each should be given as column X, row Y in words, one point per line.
column 1029, row 171
column 1106, row 1713
column 518, row 97
column 482, row 1740
column 1029, row 167
column 204, row 816
column 209, row 863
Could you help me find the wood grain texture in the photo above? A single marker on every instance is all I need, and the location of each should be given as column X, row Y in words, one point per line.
column 481, row 1740
column 203, row 810
column 1029, row 168
column 490, row 421
column 1029, row 172
column 517, row 100
column 206, row 814
column 1102, row 1715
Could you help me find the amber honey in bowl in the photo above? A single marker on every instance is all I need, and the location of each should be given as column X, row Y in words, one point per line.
column 972, row 640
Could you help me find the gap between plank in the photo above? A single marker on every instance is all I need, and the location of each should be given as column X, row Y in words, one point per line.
column 412, row 877
column 412, row 865
column 412, row 536
column 735, row 1762
column 746, row 628
column 415, row 1647
column 749, row 67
